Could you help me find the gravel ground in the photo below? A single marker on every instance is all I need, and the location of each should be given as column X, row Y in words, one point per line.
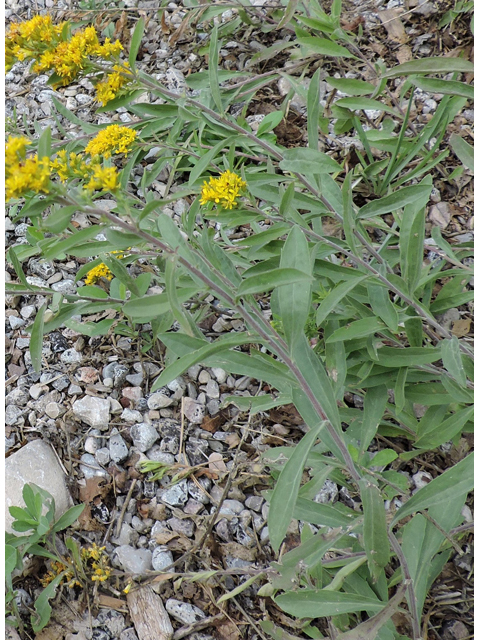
column 92, row 401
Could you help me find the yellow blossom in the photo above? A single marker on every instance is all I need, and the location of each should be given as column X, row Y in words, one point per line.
column 112, row 139
column 94, row 275
column 104, row 178
column 24, row 174
column 108, row 89
column 223, row 190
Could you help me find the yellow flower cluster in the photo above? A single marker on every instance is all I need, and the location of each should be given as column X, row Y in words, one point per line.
column 95, row 564
column 112, row 139
column 52, row 47
column 104, row 178
column 74, row 166
column 56, row 569
column 108, row 89
column 100, row 271
column 30, row 39
column 96, row 560
column 24, row 174
column 223, row 190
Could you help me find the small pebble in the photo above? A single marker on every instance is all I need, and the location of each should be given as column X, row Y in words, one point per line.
column 161, row 558
column 184, row 612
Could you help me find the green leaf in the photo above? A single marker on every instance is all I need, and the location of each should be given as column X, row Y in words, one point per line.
column 374, row 405
column 42, row 607
column 417, row 194
column 349, row 222
column 322, row 514
column 136, row 42
column 295, row 299
column 68, row 518
column 357, row 329
column 286, row 489
column 180, row 314
column 12, row 257
column 272, row 279
column 239, row 589
column 178, row 367
column 149, row 307
column 204, row 162
column 308, row 161
column 453, row 483
column 36, row 339
column 365, row 104
column 309, row 603
column 383, row 458
column 430, row 65
column 59, row 218
column 10, row 559
column 332, row 299
column 45, row 144
column 350, row 86
column 317, row 379
column 408, row 357
column 269, row 122
column 375, row 535
column 325, row 47
column 313, row 110
column 400, row 388
column 462, row 150
column 452, row 359
column 412, row 236
column 119, row 270
column 382, row 306
column 436, row 434
column 447, row 87
column 213, row 69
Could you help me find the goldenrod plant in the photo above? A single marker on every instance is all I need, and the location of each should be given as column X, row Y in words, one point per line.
column 353, row 311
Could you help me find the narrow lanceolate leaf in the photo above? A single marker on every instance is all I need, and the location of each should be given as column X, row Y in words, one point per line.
column 285, row 493
column 295, row 299
column 313, row 110
column 364, row 103
column 357, row 329
column 272, row 279
column 453, row 483
column 308, row 161
column 381, row 304
column 430, row 65
column 350, row 86
column 211, row 348
column 375, row 535
column 412, row 236
column 349, row 223
column 437, row 434
column 36, row 339
column 334, row 297
column 418, row 195
column 239, row 589
column 325, row 47
column 373, row 408
column 309, row 603
column 136, row 42
column 452, row 359
column 447, row 87
column 213, row 69
column 462, row 150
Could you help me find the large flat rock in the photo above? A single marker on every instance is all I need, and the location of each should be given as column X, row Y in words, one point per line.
column 35, row 462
